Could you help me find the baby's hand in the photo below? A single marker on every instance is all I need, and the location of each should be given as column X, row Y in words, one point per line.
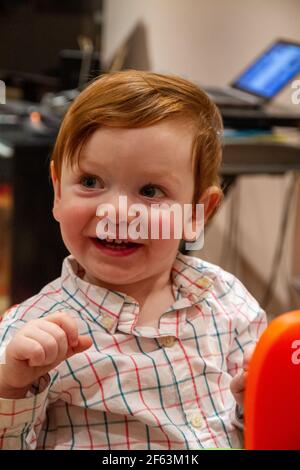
column 38, row 348
column 238, row 383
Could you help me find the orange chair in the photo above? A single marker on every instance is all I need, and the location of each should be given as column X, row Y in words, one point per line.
column 272, row 398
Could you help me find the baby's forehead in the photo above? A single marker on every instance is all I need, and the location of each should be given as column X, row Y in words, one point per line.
column 162, row 148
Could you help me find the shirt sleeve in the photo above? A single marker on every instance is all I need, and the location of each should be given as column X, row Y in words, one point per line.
column 21, row 419
column 250, row 321
column 246, row 335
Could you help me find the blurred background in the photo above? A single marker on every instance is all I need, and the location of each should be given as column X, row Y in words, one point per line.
column 49, row 49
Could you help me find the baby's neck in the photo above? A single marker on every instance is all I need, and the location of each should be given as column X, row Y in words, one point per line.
column 154, row 306
column 141, row 291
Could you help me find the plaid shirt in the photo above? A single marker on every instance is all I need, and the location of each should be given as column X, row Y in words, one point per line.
column 137, row 387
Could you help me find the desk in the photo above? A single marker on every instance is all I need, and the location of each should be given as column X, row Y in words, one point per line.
column 249, row 157
column 246, row 158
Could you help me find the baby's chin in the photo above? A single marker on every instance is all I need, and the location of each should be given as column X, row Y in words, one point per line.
column 113, row 278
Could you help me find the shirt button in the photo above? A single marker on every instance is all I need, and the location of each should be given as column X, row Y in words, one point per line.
column 107, row 322
column 196, row 421
column 167, row 341
column 204, row 282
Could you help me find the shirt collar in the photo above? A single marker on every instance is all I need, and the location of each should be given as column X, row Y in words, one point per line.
column 116, row 310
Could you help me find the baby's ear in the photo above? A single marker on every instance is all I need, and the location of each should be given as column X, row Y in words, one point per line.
column 211, row 198
column 56, row 190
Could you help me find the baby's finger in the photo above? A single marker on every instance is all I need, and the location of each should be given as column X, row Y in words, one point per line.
column 238, row 383
column 29, row 350
column 46, row 340
column 58, row 334
column 68, row 324
column 84, row 342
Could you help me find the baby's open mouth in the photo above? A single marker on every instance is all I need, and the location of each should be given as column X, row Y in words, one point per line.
column 117, row 244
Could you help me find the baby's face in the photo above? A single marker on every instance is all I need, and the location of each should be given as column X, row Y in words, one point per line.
column 151, row 165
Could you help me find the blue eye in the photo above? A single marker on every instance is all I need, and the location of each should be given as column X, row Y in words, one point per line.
column 150, row 190
column 90, row 182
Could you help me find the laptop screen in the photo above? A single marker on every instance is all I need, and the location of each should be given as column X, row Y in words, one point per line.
column 273, row 69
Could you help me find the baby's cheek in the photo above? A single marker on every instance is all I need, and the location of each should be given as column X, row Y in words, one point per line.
column 166, row 226
column 74, row 218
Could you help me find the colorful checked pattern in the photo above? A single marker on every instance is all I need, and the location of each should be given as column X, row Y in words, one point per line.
column 137, row 387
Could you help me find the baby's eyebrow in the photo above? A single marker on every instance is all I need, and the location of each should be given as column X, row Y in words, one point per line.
column 166, row 176
column 90, row 167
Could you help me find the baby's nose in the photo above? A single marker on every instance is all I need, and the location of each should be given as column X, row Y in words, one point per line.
column 118, row 209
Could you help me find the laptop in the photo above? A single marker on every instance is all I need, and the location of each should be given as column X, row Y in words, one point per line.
column 262, row 80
